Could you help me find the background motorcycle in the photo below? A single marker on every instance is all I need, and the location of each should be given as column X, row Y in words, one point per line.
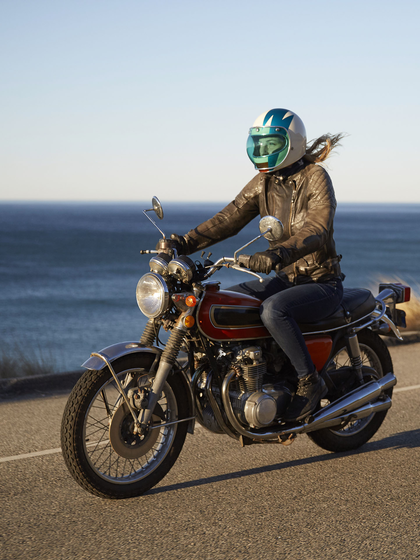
column 127, row 418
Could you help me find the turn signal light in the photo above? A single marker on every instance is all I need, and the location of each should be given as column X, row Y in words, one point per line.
column 189, row 321
column 190, row 301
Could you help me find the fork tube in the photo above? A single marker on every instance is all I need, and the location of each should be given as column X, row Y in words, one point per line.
column 149, row 333
column 166, row 363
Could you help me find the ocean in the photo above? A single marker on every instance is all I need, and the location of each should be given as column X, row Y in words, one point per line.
column 68, row 271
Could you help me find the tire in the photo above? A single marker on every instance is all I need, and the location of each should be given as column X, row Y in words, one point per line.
column 375, row 354
column 98, row 445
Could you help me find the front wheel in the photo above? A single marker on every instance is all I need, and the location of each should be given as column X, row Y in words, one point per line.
column 375, row 355
column 100, row 449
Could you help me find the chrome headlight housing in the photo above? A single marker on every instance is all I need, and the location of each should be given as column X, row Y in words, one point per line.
column 152, row 295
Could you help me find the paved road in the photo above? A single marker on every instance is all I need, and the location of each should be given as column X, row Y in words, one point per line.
column 221, row 501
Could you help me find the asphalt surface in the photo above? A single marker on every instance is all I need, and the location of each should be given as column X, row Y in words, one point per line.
column 219, row 501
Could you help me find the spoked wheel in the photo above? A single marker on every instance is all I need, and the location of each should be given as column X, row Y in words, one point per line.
column 99, row 445
column 375, row 355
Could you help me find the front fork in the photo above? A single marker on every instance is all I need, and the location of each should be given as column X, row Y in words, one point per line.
column 166, row 363
column 168, row 358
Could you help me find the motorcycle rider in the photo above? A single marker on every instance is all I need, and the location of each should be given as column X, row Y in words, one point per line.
column 292, row 187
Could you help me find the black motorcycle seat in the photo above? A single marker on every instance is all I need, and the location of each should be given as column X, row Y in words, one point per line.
column 357, row 303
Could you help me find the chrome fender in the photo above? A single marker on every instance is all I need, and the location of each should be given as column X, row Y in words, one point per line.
column 120, row 349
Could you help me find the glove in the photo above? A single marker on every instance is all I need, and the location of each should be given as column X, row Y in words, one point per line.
column 180, row 244
column 264, row 261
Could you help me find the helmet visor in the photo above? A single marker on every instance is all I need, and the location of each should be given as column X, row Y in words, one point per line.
column 267, row 147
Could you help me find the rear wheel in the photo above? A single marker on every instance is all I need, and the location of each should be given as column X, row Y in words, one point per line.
column 375, row 355
column 100, row 448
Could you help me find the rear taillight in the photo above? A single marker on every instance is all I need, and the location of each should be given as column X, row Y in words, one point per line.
column 402, row 292
column 406, row 292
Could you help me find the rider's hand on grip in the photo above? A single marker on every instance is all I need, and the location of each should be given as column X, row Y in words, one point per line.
column 264, row 262
column 243, row 260
column 180, row 243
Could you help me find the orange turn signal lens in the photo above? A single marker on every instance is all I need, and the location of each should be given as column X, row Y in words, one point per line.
column 189, row 321
column 190, row 301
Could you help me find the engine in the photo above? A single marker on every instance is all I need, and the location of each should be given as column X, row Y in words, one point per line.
column 258, row 397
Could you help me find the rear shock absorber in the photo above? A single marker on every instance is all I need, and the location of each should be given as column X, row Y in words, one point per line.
column 355, row 356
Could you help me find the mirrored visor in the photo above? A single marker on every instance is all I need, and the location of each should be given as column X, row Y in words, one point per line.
column 265, row 141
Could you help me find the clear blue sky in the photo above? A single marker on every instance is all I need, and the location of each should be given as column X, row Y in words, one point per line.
column 120, row 100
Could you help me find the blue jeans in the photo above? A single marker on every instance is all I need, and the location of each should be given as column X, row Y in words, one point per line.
column 285, row 306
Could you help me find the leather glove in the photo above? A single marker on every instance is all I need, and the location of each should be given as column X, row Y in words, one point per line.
column 180, row 244
column 264, row 261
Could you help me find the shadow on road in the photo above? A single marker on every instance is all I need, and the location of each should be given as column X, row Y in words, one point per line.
column 403, row 440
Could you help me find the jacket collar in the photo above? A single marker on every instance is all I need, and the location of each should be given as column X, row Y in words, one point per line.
column 290, row 170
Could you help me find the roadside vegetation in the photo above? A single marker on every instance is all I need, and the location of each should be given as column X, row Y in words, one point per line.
column 24, row 362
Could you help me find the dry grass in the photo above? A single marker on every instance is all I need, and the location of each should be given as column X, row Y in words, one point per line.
column 412, row 309
column 16, row 362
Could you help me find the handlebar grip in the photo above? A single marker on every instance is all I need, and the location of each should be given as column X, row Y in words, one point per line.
column 277, row 268
column 243, row 260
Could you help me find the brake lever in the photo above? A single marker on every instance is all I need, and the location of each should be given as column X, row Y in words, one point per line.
column 243, row 269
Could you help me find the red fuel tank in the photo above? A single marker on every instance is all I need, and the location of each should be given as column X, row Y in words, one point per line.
column 225, row 315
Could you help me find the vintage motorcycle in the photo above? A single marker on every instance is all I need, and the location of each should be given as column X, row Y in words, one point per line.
column 127, row 418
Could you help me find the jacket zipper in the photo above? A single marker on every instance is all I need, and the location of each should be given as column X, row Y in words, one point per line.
column 290, row 224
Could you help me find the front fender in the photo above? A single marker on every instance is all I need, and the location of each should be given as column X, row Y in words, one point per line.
column 116, row 351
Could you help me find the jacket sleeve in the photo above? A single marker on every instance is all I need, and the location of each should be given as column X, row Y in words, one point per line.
column 229, row 221
column 312, row 235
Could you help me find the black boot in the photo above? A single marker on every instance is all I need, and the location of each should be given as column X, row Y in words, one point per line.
column 310, row 391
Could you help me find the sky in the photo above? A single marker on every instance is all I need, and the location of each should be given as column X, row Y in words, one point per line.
column 121, row 100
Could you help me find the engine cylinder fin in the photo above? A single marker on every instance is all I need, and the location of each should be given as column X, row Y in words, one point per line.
column 253, row 376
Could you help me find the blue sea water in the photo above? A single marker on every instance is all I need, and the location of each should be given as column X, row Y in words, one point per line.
column 68, row 271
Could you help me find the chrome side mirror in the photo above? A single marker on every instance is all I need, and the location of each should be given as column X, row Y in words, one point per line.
column 157, row 207
column 158, row 210
column 271, row 228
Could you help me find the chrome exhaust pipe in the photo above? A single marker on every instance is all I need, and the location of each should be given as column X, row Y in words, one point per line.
column 363, row 412
column 353, row 402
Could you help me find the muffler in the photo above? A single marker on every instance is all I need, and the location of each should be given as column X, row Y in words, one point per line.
column 352, row 406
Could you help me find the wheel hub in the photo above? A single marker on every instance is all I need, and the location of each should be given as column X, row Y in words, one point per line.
column 123, row 439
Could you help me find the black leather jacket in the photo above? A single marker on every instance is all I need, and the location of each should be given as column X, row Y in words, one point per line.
column 302, row 197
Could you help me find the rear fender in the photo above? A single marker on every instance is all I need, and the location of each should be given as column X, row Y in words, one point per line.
column 121, row 349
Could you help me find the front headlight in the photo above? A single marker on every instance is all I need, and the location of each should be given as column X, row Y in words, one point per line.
column 152, row 295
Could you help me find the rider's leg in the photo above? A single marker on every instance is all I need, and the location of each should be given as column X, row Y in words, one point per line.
column 281, row 314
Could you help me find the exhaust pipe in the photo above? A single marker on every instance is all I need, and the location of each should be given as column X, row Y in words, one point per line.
column 363, row 412
column 351, row 406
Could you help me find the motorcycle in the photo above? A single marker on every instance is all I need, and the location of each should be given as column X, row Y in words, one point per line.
column 127, row 417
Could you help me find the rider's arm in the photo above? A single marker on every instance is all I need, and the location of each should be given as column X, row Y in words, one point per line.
column 227, row 222
column 317, row 224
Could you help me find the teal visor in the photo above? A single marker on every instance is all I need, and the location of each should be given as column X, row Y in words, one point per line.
column 267, row 146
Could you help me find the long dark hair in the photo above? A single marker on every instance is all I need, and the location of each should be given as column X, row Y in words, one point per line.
column 318, row 150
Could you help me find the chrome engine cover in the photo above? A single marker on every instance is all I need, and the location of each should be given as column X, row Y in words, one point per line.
column 260, row 410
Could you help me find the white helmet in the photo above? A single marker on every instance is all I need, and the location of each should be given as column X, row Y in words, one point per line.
column 276, row 140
